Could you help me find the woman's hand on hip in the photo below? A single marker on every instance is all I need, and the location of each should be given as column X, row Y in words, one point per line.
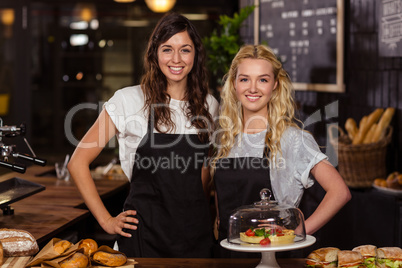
column 125, row 220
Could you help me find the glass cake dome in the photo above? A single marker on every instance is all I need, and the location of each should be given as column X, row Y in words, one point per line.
column 266, row 223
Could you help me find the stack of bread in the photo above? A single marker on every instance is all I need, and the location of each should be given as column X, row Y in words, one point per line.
column 88, row 251
column 372, row 127
column 359, row 257
column 85, row 253
column 58, row 252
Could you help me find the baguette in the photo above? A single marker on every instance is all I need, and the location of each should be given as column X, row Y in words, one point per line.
column 18, row 243
column 366, row 125
column 351, row 128
column 369, row 134
column 362, row 122
column 359, row 134
column 383, row 124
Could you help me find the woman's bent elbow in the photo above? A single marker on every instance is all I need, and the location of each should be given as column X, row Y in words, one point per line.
column 347, row 196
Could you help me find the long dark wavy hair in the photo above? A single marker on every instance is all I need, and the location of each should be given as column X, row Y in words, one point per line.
column 154, row 83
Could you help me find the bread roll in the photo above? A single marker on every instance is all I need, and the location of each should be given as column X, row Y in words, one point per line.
column 17, row 243
column 77, row 260
column 61, row 246
column 383, row 124
column 366, row 125
column 380, row 182
column 110, row 259
column 366, row 250
column 348, row 258
column 323, row 257
column 89, row 245
column 369, row 253
column 389, row 257
column 351, row 128
column 389, row 253
column 393, row 181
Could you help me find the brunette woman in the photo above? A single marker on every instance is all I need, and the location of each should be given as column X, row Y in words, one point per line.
column 163, row 127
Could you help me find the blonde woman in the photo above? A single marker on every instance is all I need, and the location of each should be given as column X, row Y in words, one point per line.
column 259, row 145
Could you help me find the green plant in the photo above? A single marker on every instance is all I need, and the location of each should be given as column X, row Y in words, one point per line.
column 223, row 44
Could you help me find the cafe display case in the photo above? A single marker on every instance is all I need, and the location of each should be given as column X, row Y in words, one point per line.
column 267, row 227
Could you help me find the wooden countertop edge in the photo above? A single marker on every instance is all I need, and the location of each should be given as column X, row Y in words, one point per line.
column 161, row 262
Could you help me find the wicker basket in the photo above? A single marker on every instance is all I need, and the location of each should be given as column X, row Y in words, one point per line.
column 360, row 164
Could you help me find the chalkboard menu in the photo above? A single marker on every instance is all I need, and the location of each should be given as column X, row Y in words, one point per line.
column 307, row 36
column 390, row 24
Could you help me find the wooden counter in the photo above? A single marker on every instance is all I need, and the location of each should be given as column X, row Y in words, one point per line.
column 211, row 263
column 47, row 213
column 186, row 263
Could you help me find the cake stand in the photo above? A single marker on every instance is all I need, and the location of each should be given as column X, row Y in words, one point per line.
column 268, row 259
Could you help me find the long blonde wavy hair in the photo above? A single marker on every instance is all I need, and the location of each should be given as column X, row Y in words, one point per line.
column 281, row 106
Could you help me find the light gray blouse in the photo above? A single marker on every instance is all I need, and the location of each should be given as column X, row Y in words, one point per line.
column 290, row 172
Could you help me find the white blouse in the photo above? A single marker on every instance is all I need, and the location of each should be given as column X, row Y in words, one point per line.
column 126, row 111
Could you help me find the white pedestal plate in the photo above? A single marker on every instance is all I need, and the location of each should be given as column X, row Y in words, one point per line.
column 268, row 259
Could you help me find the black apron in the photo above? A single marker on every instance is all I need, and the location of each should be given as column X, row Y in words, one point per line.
column 238, row 182
column 172, row 209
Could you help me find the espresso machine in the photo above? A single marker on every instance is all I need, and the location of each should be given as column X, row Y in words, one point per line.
column 9, row 153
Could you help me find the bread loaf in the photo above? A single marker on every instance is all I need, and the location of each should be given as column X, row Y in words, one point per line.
column 17, row 243
column 109, row 259
column 61, row 246
column 89, row 245
column 77, row 260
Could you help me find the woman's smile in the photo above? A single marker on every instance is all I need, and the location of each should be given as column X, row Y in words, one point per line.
column 253, row 97
column 176, row 70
